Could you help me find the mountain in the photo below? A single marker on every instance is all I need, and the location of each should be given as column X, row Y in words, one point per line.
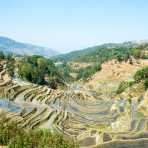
column 9, row 45
column 95, row 53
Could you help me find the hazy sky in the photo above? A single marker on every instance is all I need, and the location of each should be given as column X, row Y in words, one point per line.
column 67, row 25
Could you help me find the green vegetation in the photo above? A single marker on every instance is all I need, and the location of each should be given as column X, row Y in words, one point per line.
column 40, row 70
column 85, row 73
column 10, row 68
column 99, row 54
column 146, row 83
column 123, row 85
column 106, row 52
column 2, row 56
column 64, row 69
column 10, row 64
column 142, row 75
column 14, row 136
column 139, row 52
column 103, row 53
column 95, row 55
column 8, row 56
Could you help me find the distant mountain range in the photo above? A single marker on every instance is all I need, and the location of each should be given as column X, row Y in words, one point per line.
column 9, row 45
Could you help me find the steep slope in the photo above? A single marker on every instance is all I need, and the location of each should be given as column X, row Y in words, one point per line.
column 115, row 72
column 112, row 74
column 9, row 45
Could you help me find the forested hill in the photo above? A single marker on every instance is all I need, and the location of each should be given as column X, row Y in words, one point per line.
column 100, row 53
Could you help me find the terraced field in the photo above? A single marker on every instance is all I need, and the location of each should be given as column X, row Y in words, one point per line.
column 75, row 112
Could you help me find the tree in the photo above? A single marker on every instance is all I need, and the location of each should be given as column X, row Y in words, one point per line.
column 146, row 84
column 119, row 58
column 136, row 52
column 10, row 68
column 40, row 70
column 2, row 56
column 41, row 63
column 25, row 71
column 141, row 74
column 87, row 72
column 9, row 56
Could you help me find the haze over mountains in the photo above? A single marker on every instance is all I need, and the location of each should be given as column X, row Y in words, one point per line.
column 10, row 45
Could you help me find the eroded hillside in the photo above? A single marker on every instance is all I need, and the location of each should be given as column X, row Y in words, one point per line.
column 112, row 74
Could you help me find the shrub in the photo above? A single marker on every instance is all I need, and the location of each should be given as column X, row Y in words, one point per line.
column 141, row 74
column 123, row 85
column 146, row 84
column 16, row 137
column 85, row 73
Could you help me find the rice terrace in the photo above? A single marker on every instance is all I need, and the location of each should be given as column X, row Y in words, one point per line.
column 90, row 92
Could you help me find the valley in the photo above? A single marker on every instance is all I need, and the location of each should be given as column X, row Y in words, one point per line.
column 97, row 103
column 74, row 74
column 89, row 112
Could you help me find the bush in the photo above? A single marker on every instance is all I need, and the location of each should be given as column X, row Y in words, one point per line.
column 87, row 72
column 141, row 74
column 146, row 84
column 16, row 137
column 123, row 85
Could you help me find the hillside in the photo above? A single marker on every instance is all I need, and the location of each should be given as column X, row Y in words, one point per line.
column 90, row 116
column 9, row 45
column 107, row 80
column 106, row 102
column 115, row 72
column 97, row 53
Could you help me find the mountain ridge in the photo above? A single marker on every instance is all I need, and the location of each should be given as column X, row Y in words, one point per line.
column 87, row 52
column 9, row 45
